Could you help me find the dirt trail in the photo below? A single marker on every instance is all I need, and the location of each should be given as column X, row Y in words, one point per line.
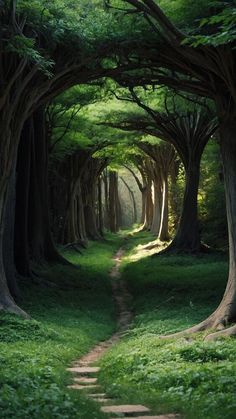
column 122, row 300
column 84, row 370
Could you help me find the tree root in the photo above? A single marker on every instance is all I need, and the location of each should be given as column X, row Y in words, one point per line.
column 174, row 248
column 213, row 322
column 9, row 306
column 78, row 243
column 229, row 331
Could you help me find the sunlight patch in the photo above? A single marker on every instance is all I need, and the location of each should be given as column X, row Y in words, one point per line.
column 144, row 250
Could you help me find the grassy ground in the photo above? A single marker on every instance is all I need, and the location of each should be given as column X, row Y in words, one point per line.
column 192, row 377
column 67, row 323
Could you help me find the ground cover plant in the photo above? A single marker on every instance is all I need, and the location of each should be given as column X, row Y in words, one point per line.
column 189, row 376
column 66, row 323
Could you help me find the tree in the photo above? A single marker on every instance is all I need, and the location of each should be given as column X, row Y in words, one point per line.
column 44, row 51
column 205, row 68
column 188, row 131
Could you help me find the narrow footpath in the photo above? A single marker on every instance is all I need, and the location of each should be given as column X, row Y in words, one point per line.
column 84, row 371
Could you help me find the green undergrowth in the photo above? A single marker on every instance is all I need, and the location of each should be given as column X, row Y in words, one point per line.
column 67, row 321
column 189, row 376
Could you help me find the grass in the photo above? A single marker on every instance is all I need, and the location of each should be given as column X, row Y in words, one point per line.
column 66, row 324
column 191, row 377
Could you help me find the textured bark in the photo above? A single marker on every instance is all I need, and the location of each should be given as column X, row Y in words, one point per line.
column 113, row 204
column 225, row 313
column 148, row 206
column 21, row 243
column 42, row 247
column 164, row 229
column 90, row 178
column 157, row 207
column 6, row 300
column 100, row 220
column 8, row 250
column 188, row 237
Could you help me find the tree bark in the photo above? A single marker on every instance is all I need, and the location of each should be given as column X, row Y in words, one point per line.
column 42, row 246
column 187, row 238
column 157, row 206
column 100, row 221
column 22, row 259
column 225, row 313
column 113, row 216
column 6, row 300
column 164, row 229
column 8, row 250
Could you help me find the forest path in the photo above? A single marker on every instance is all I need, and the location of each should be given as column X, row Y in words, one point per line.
column 84, row 370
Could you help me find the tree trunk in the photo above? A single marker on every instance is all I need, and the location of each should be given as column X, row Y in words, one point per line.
column 6, row 301
column 157, row 207
column 22, row 259
column 226, row 311
column 164, row 229
column 148, row 207
column 100, row 209
column 188, row 237
column 112, row 202
column 41, row 243
column 8, row 250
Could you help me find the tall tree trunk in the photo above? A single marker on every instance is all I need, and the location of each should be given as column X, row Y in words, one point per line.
column 100, row 209
column 157, row 207
column 188, row 237
column 106, row 198
column 41, row 242
column 112, row 202
column 7, row 161
column 148, row 206
column 164, row 230
column 226, row 311
column 8, row 250
column 22, row 259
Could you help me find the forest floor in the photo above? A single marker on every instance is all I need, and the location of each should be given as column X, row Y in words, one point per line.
column 194, row 378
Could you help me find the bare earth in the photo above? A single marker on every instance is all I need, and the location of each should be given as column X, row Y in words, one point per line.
column 84, row 370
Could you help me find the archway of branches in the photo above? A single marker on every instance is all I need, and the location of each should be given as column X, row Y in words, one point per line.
column 91, row 116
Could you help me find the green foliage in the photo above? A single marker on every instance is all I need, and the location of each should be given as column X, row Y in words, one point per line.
column 187, row 376
column 14, row 329
column 223, row 25
column 68, row 321
column 26, row 48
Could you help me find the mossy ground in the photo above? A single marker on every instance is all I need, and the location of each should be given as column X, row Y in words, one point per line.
column 191, row 377
column 195, row 378
column 66, row 324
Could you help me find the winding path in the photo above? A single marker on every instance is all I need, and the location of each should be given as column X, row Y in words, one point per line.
column 84, row 370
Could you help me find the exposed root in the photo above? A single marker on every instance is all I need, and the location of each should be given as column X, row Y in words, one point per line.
column 184, row 248
column 213, row 322
column 10, row 307
column 76, row 245
column 230, row 331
